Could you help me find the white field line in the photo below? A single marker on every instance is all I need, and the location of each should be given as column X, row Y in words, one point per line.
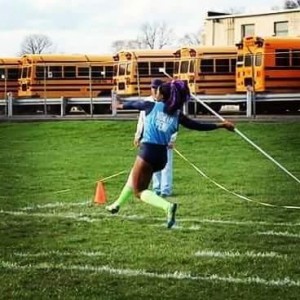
column 180, row 227
column 136, row 217
column 234, row 254
column 278, row 233
column 59, row 253
column 95, row 218
column 55, row 205
column 233, row 222
column 177, row 275
column 196, row 228
column 201, row 253
column 80, row 217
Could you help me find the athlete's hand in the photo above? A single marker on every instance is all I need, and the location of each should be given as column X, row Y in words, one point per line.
column 171, row 145
column 136, row 143
column 228, row 125
column 117, row 104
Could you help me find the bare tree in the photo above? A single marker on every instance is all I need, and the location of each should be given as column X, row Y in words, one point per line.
column 191, row 39
column 125, row 44
column 156, row 35
column 36, row 44
column 153, row 36
column 289, row 4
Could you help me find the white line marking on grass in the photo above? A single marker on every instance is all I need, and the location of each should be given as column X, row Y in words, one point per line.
column 95, row 218
column 229, row 254
column 195, row 220
column 179, row 227
column 59, row 253
column 78, row 217
column 287, row 282
column 278, row 233
column 141, row 217
column 195, row 227
column 233, row 222
column 54, row 205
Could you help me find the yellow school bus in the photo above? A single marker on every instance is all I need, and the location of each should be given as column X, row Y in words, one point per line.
column 9, row 73
column 134, row 70
column 62, row 75
column 207, row 70
column 270, row 64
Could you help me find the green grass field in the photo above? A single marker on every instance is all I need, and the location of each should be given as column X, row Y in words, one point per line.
column 57, row 244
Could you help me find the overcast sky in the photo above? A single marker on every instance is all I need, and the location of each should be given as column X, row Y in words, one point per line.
column 90, row 26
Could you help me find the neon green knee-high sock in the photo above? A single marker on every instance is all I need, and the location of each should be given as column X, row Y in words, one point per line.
column 125, row 195
column 154, row 200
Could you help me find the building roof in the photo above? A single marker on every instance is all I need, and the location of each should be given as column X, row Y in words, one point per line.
column 219, row 15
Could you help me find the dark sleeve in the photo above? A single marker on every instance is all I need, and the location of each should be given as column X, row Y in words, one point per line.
column 195, row 125
column 139, row 104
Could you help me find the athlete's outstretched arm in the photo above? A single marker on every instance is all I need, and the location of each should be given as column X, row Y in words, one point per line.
column 196, row 125
column 138, row 104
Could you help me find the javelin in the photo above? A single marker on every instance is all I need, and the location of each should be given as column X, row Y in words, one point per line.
column 238, row 132
column 112, row 176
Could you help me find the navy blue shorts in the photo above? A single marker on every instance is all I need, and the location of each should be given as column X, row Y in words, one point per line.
column 155, row 155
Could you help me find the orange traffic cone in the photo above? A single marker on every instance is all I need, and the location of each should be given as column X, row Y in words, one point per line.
column 100, row 196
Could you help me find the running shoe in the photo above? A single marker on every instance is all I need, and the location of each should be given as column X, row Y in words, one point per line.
column 171, row 215
column 113, row 208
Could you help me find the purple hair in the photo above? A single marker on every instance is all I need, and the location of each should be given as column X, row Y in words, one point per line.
column 175, row 94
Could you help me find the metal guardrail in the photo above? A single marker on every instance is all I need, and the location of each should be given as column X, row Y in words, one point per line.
column 9, row 104
column 276, row 97
column 56, row 101
column 240, row 98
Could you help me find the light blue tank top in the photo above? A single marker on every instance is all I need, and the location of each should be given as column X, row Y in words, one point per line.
column 159, row 126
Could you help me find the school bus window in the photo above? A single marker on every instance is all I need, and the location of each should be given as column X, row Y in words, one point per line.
column 222, row 65
column 83, row 72
column 12, row 74
column 207, row 66
column 184, row 66
column 109, row 71
column 56, row 71
column 122, row 69
column 39, row 72
column 143, row 68
column 282, row 57
column 258, row 59
column 24, row 72
column 70, row 72
column 97, row 72
column 240, row 61
column 155, row 68
column 128, row 69
column 232, row 66
column 29, row 72
column 169, row 68
column 296, row 58
column 248, row 60
column 192, row 66
column 115, row 70
column 2, row 74
column 176, row 67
